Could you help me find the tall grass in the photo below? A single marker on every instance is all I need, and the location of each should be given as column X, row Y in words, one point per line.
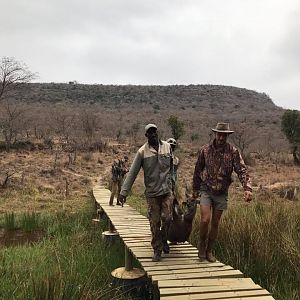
column 73, row 262
column 263, row 241
column 30, row 221
column 9, row 221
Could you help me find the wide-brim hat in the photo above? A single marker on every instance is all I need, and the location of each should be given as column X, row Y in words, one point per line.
column 147, row 127
column 223, row 128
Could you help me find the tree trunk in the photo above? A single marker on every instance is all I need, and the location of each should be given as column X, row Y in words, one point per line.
column 295, row 156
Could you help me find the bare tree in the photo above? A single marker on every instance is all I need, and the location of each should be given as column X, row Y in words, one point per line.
column 12, row 123
column 133, row 132
column 62, row 123
column 12, row 74
column 243, row 137
column 88, row 122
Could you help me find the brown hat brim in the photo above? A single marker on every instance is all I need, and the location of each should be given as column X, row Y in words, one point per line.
column 222, row 131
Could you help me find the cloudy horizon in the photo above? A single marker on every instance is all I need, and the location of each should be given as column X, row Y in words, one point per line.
column 247, row 44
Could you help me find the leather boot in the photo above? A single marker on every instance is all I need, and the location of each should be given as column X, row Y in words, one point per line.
column 156, row 256
column 209, row 254
column 202, row 250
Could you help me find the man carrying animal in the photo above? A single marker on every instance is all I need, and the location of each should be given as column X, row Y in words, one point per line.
column 155, row 159
column 211, row 180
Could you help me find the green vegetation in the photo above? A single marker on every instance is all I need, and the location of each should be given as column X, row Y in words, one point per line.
column 9, row 221
column 177, row 127
column 290, row 124
column 71, row 262
column 261, row 239
column 30, row 221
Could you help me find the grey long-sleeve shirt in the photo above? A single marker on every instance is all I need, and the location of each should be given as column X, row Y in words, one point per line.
column 156, row 166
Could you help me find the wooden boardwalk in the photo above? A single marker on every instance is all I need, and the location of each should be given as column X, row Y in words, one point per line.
column 179, row 274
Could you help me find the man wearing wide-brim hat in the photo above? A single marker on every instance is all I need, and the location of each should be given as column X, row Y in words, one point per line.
column 211, row 181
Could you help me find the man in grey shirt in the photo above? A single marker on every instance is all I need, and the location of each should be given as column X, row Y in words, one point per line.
column 155, row 159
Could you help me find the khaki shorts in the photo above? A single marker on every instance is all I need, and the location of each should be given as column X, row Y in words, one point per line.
column 218, row 202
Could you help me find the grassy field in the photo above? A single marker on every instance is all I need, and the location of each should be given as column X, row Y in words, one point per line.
column 69, row 259
column 70, row 262
column 262, row 239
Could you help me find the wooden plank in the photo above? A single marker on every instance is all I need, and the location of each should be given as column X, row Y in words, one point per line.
column 179, row 267
column 223, row 295
column 127, row 218
column 134, row 235
column 230, row 273
column 145, row 254
column 210, row 289
column 172, row 259
column 137, row 240
column 142, row 248
column 129, row 229
column 144, row 224
column 186, row 271
column 135, row 231
column 131, row 235
column 205, row 282
column 178, row 273
column 124, row 213
column 252, row 298
column 145, row 240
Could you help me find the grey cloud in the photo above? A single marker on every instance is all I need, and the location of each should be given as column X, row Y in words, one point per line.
column 155, row 42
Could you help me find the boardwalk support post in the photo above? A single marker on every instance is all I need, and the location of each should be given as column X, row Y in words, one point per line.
column 100, row 215
column 180, row 274
column 128, row 276
column 128, row 260
column 111, row 235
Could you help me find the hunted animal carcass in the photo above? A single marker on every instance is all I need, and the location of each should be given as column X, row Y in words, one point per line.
column 181, row 226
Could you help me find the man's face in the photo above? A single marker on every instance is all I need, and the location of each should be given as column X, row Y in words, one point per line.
column 221, row 138
column 152, row 136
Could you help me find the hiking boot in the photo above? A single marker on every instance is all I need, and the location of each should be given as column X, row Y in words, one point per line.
column 210, row 257
column 119, row 203
column 202, row 257
column 156, row 256
column 166, row 247
column 209, row 253
column 202, row 251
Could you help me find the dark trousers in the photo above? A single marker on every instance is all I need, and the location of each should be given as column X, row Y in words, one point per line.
column 160, row 217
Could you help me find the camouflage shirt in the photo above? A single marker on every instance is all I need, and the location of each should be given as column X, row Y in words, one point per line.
column 214, row 168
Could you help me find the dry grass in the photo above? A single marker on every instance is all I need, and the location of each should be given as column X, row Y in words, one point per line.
column 37, row 185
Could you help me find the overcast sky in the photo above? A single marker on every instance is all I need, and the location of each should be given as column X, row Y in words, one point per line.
column 252, row 44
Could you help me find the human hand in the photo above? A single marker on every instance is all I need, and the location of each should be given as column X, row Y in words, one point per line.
column 247, row 196
column 195, row 195
column 122, row 199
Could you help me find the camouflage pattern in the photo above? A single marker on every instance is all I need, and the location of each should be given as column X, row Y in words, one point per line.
column 160, row 217
column 118, row 171
column 214, row 168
